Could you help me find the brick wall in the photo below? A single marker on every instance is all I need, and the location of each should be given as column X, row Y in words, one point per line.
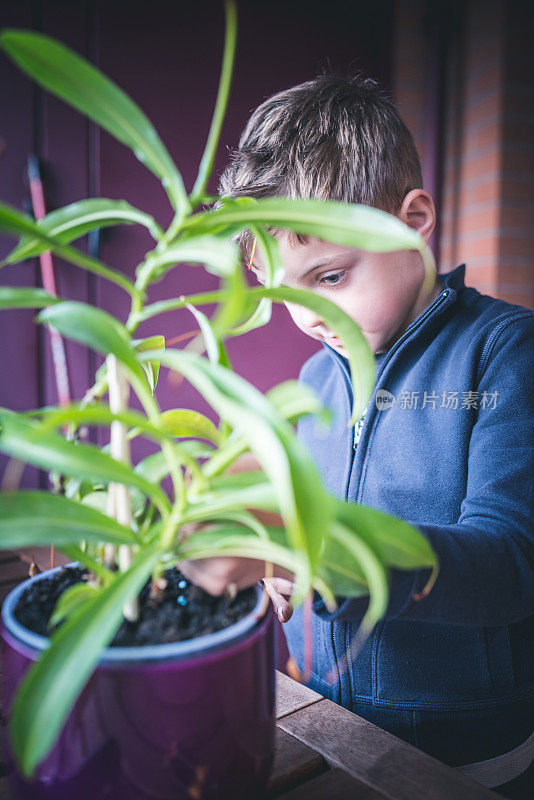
column 485, row 194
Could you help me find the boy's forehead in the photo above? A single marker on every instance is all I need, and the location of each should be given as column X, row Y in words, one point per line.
column 296, row 254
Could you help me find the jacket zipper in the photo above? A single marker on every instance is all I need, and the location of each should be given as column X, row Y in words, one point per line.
column 377, row 633
column 378, row 628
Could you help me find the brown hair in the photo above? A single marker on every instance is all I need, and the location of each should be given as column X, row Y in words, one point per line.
column 330, row 138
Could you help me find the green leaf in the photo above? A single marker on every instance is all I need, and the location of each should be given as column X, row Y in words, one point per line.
column 99, row 501
column 30, row 519
column 76, row 554
column 17, row 224
column 259, row 317
column 247, row 520
column 341, row 571
column 211, row 342
column 375, row 573
column 294, row 399
column 214, row 346
column 53, row 683
column 235, row 303
column 224, row 540
column 397, row 543
column 15, row 297
column 218, row 255
column 302, row 499
column 100, row 414
column 247, row 489
column 32, row 443
column 77, row 82
column 185, row 422
column 151, row 368
column 70, row 222
column 71, row 600
column 155, row 467
column 14, row 222
column 208, row 157
column 270, row 250
column 348, row 224
column 337, row 567
column 96, row 329
column 274, row 273
column 230, row 539
column 162, row 306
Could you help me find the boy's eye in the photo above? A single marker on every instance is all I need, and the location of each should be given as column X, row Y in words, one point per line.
column 334, row 279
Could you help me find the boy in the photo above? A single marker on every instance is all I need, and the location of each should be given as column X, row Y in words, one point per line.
column 450, row 449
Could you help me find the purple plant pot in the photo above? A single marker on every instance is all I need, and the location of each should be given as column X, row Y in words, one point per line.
column 192, row 719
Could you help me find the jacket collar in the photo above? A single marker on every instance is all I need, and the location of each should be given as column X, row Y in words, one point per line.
column 454, row 281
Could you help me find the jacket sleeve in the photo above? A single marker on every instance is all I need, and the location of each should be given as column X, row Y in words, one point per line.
column 486, row 559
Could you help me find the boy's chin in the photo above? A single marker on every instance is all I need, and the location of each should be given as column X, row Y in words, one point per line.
column 339, row 349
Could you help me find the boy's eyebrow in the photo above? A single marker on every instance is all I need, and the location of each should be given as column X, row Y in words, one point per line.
column 322, row 262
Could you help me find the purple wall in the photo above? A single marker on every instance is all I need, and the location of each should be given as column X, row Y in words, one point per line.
column 168, row 62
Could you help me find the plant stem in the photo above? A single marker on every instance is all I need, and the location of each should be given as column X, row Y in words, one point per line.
column 161, row 306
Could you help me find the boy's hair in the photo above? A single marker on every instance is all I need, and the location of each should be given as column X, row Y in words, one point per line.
column 330, row 138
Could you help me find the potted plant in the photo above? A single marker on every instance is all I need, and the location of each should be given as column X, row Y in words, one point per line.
column 89, row 710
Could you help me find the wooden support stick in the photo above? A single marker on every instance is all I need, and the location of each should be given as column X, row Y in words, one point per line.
column 119, row 391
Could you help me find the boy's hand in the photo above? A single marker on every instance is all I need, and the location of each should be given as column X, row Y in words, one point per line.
column 222, row 573
column 280, row 591
column 218, row 573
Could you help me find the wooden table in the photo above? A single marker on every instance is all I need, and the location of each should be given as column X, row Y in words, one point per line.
column 324, row 751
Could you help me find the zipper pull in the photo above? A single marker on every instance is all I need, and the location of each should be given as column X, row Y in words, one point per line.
column 358, row 429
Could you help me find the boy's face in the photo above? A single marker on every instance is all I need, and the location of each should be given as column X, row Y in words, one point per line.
column 379, row 291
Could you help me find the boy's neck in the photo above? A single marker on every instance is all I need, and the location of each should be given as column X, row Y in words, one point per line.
column 414, row 313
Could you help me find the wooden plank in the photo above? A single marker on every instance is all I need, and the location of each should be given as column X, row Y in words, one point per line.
column 377, row 758
column 334, row 785
column 8, row 555
column 42, row 557
column 294, row 763
column 291, row 696
column 5, row 589
column 13, row 570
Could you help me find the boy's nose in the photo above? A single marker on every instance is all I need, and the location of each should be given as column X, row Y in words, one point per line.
column 307, row 320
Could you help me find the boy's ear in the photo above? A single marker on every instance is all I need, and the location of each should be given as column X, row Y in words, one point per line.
column 418, row 212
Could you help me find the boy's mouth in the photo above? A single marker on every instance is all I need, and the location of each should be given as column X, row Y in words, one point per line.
column 333, row 340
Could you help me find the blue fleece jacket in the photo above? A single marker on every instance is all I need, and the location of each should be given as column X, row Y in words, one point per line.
column 452, row 452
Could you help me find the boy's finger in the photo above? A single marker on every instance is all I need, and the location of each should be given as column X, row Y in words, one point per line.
column 280, row 585
column 283, row 608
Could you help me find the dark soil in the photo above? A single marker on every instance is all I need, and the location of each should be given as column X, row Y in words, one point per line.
column 164, row 620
